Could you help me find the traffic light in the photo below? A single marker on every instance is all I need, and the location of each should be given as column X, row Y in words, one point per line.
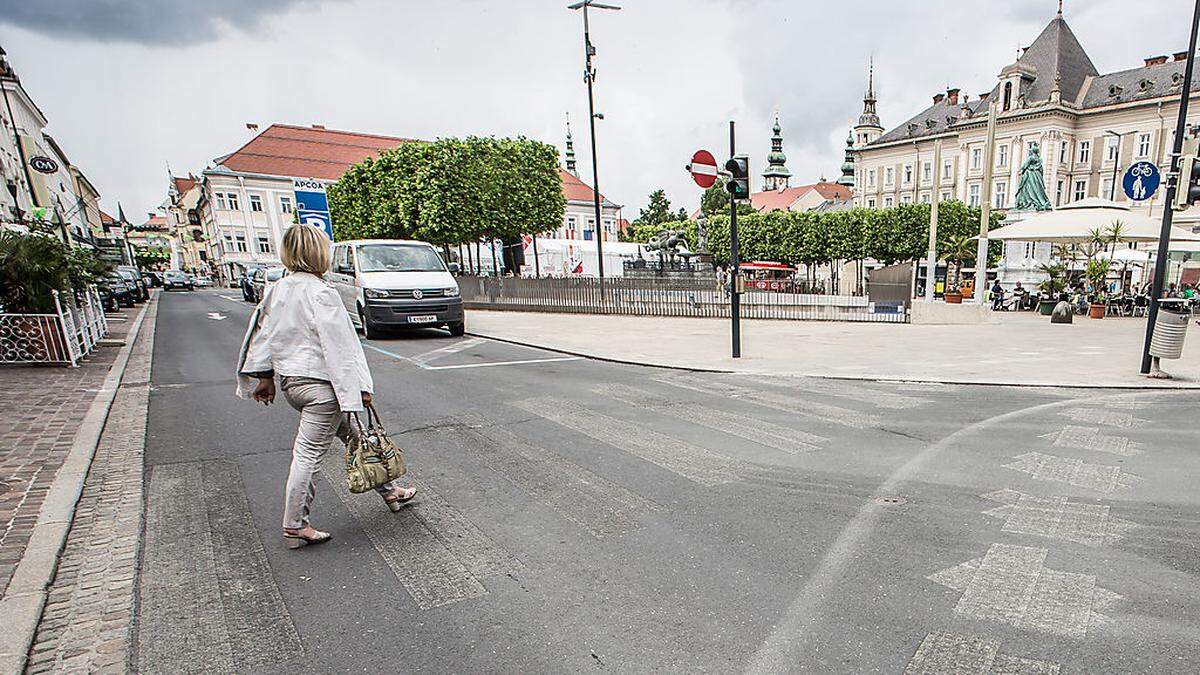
column 739, row 182
column 1187, row 190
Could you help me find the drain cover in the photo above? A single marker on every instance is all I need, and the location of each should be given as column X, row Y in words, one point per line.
column 890, row 500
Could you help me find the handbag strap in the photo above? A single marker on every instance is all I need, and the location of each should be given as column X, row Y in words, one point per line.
column 373, row 417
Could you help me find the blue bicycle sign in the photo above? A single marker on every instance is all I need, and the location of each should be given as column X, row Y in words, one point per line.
column 1141, row 181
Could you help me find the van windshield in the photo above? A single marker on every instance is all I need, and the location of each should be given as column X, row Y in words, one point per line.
column 398, row 258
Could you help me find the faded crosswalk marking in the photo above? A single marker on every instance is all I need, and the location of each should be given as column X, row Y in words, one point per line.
column 1057, row 518
column 953, row 654
column 436, row 553
column 693, row 462
column 1010, row 584
column 820, row 411
column 1108, row 418
column 761, row 432
column 207, row 595
column 1090, row 438
column 1099, row 477
column 582, row 497
column 862, row 394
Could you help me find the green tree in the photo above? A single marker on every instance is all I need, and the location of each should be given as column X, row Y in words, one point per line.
column 657, row 211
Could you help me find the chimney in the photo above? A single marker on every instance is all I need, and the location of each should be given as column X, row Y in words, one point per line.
column 319, row 126
column 937, row 98
column 952, row 96
column 1181, row 56
column 1155, row 60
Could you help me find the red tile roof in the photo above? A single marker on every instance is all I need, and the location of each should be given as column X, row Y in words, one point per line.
column 575, row 190
column 780, row 200
column 107, row 219
column 182, row 185
column 306, row 152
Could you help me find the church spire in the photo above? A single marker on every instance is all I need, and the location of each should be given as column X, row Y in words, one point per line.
column 847, row 177
column 868, row 128
column 776, row 175
column 570, row 154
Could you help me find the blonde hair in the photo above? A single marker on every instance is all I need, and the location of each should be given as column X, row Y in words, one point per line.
column 305, row 249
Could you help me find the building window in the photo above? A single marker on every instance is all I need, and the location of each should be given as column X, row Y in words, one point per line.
column 572, row 226
column 228, row 242
column 219, row 198
column 947, row 169
column 927, row 172
column 888, row 202
column 285, row 204
column 1106, row 189
column 590, row 232
column 973, row 195
column 871, row 178
column 925, row 198
column 1058, row 193
column 1008, row 95
column 1143, row 145
column 1002, row 155
column 1001, row 198
column 1085, row 152
column 1080, row 190
column 240, row 241
column 976, row 158
column 908, row 169
column 256, row 203
column 1062, row 152
column 906, row 199
column 871, row 203
column 945, row 195
column 264, row 243
column 1111, row 143
column 889, row 176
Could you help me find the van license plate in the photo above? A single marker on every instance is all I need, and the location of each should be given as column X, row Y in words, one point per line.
column 423, row 318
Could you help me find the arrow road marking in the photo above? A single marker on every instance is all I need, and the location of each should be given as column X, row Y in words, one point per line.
column 217, row 316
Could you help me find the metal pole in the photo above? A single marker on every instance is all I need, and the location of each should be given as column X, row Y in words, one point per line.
column 589, row 76
column 931, row 256
column 537, row 267
column 985, row 208
column 735, row 307
column 1173, row 180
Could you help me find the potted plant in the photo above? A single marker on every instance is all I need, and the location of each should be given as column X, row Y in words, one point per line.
column 1051, row 287
column 1096, row 273
column 959, row 248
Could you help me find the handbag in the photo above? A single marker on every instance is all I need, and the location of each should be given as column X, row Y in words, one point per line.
column 372, row 458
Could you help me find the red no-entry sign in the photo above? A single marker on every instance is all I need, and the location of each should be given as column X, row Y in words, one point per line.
column 703, row 169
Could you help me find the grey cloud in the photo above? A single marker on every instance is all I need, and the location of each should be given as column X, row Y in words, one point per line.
column 141, row 21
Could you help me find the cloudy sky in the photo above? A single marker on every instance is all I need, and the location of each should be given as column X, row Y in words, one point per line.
column 131, row 86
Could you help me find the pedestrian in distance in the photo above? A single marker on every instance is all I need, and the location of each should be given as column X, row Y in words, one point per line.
column 301, row 334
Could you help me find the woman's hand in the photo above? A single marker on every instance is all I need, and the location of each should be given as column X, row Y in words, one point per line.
column 366, row 398
column 264, row 393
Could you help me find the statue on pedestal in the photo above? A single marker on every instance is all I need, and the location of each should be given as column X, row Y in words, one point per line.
column 1031, row 190
column 702, row 235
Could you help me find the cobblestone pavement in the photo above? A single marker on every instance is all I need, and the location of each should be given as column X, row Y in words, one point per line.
column 42, row 409
column 85, row 625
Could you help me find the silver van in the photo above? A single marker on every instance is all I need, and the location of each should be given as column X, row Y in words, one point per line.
column 394, row 283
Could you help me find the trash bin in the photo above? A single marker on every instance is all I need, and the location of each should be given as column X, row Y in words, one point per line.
column 1169, row 329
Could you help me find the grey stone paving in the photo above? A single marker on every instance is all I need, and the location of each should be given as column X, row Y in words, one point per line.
column 832, row 414
column 945, row 653
column 85, row 624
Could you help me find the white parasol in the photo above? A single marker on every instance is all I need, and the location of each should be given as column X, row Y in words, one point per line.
column 1074, row 223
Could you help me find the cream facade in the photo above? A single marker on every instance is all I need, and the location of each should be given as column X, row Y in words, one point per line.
column 246, row 217
column 1089, row 129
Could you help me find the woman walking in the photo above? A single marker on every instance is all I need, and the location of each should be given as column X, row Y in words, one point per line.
column 301, row 333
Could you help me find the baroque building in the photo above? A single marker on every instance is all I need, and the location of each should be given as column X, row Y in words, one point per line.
column 1089, row 126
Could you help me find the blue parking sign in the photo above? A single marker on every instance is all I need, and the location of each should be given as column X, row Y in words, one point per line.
column 319, row 219
column 1141, row 181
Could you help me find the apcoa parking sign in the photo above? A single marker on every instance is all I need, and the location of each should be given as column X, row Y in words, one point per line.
column 312, row 204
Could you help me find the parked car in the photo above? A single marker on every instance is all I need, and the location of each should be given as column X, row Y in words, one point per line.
column 153, row 279
column 118, row 289
column 202, row 281
column 248, row 283
column 392, row 283
column 174, row 279
column 266, row 278
column 137, row 288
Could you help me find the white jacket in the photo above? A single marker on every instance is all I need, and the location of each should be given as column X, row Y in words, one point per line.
column 301, row 329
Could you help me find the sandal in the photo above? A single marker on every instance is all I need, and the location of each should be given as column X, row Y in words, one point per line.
column 396, row 500
column 297, row 540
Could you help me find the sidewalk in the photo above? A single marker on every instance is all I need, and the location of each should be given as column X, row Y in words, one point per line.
column 51, row 422
column 1023, row 349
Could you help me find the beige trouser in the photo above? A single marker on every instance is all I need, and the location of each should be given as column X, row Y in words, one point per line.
column 320, row 420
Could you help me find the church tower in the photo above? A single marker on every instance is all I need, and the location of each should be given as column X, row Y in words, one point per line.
column 570, row 153
column 847, row 177
column 868, row 128
column 776, row 176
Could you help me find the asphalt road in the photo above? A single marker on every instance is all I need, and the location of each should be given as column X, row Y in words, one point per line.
column 577, row 516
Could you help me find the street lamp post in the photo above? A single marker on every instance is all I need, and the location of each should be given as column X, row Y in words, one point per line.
column 589, row 74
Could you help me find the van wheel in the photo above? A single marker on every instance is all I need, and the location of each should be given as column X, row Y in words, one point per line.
column 370, row 330
column 458, row 328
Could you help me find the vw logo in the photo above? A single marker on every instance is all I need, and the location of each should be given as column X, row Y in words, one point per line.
column 417, row 294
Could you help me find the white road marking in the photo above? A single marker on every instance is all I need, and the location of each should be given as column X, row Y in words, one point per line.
column 1099, row 477
column 1057, row 518
column 447, row 350
column 1010, row 584
column 501, row 363
column 821, row 411
column 217, row 316
column 1090, row 438
column 945, row 653
column 1108, row 418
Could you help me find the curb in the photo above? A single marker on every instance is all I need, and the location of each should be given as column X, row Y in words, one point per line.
column 25, row 598
column 1191, row 386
